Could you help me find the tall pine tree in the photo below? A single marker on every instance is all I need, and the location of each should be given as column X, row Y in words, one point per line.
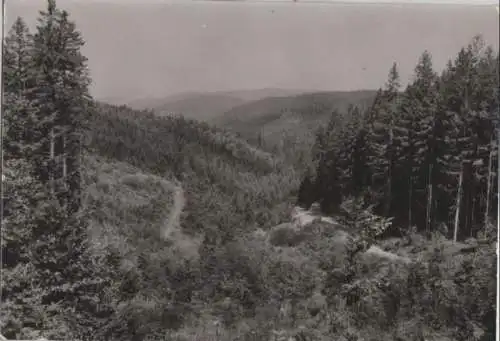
column 59, row 251
column 381, row 154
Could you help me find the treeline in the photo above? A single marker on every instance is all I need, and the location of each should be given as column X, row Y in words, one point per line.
column 49, row 285
column 426, row 155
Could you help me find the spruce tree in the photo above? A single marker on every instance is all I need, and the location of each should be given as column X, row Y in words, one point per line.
column 59, row 249
column 327, row 149
column 451, row 117
column 351, row 156
column 17, row 57
column 21, row 191
column 21, row 119
column 468, row 135
column 381, row 154
column 404, row 134
column 486, row 124
column 415, row 133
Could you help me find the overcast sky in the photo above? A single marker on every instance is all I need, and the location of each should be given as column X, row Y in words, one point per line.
column 140, row 50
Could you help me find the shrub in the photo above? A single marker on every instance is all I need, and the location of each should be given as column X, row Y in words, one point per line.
column 287, row 235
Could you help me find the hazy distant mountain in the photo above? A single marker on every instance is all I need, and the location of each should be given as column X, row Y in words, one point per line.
column 206, row 106
column 154, row 102
column 200, row 107
column 257, row 94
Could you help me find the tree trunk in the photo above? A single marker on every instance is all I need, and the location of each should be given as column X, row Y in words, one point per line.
column 410, row 201
column 388, row 198
column 473, row 216
column 429, row 201
column 64, row 170
column 457, row 209
column 467, row 197
column 51, row 159
column 498, row 175
column 74, row 171
column 488, row 182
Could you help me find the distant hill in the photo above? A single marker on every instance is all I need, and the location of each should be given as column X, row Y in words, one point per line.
column 258, row 94
column 296, row 115
column 203, row 106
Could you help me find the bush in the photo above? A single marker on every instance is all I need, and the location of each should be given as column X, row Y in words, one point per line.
column 361, row 219
column 287, row 235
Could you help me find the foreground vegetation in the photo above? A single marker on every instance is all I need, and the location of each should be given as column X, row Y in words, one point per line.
column 237, row 269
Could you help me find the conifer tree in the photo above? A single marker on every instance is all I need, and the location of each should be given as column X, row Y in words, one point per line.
column 381, row 139
column 453, row 130
column 59, row 249
column 62, row 95
column 306, row 195
column 327, row 149
column 415, row 133
column 486, row 123
column 17, row 57
column 21, row 192
column 352, row 153
column 360, row 173
column 404, row 134
column 462, row 122
column 20, row 116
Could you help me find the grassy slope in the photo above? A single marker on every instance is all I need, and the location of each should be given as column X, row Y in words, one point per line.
column 132, row 210
column 127, row 204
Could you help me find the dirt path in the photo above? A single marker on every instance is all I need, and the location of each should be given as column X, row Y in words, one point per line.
column 172, row 223
column 171, row 231
column 376, row 251
column 303, row 217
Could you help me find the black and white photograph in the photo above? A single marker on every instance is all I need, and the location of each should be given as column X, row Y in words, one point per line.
column 259, row 170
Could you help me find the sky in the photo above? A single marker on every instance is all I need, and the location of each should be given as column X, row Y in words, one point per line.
column 147, row 49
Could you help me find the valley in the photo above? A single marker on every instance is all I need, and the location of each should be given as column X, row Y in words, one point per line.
column 265, row 214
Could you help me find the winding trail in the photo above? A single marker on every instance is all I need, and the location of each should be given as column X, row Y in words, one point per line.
column 171, row 230
column 304, row 217
column 172, row 223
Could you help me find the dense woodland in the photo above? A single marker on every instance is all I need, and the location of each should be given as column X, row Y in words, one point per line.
column 426, row 155
column 416, row 160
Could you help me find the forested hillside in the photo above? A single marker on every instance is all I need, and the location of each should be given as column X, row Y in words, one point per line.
column 226, row 177
column 309, row 107
column 286, row 125
column 90, row 189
